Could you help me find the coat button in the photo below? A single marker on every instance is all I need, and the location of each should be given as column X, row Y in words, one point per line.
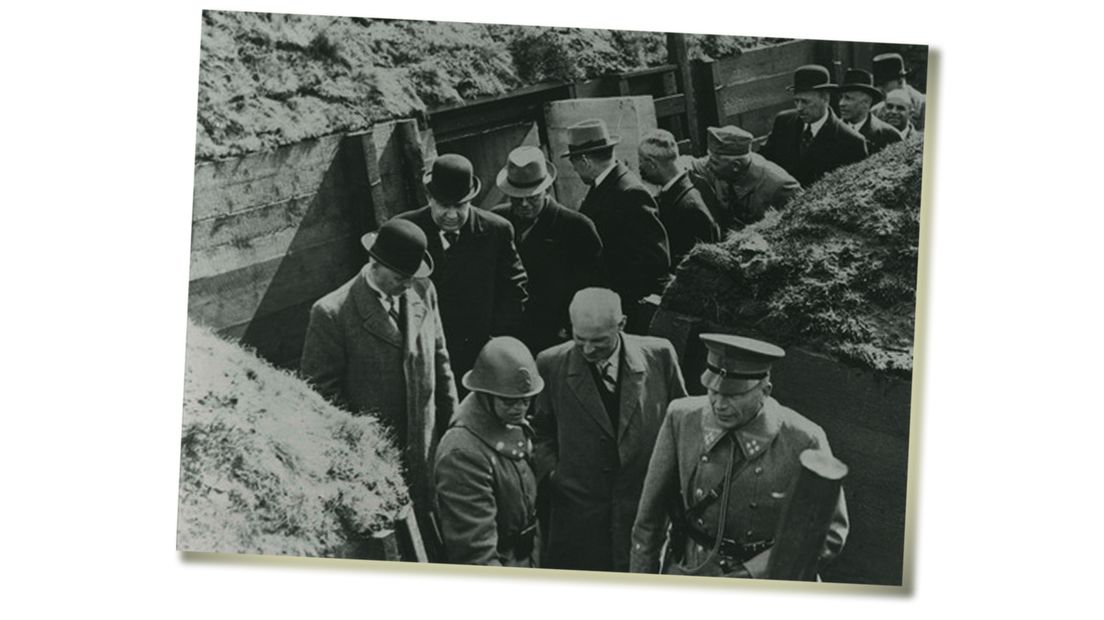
column 705, row 458
column 753, row 505
column 701, row 521
column 749, row 533
column 758, row 471
column 699, row 492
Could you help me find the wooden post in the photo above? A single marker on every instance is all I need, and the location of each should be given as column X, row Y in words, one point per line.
column 805, row 520
column 678, row 54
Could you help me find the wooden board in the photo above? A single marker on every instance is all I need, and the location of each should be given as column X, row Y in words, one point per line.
column 752, row 64
column 630, row 118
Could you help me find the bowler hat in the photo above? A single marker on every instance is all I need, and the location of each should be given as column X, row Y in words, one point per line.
column 735, row 364
column 527, row 173
column 888, row 67
column 401, row 246
column 588, row 136
column 862, row 81
column 729, row 140
column 452, row 180
column 811, row 77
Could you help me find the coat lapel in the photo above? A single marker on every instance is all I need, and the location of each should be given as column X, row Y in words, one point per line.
column 632, row 385
column 581, row 383
column 372, row 315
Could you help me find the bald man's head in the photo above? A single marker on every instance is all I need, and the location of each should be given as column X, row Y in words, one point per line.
column 596, row 322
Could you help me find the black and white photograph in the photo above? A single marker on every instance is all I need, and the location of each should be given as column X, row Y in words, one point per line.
column 552, row 298
column 551, row 310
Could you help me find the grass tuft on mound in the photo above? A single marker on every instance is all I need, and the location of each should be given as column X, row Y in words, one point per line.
column 270, row 467
column 835, row 271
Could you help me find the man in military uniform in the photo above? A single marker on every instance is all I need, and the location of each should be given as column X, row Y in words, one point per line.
column 486, row 490
column 722, row 466
column 739, row 186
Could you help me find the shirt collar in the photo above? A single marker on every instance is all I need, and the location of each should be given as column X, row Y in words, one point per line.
column 858, row 125
column 753, row 437
column 673, row 181
column 605, row 173
column 372, row 285
column 614, row 360
column 815, row 127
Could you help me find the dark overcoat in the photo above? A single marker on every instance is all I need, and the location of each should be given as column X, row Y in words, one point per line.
column 684, row 214
column 356, row 358
column 691, row 456
column 635, row 254
column 480, row 281
column 561, row 253
column 486, row 490
column 878, row 133
column 834, row 145
column 595, row 472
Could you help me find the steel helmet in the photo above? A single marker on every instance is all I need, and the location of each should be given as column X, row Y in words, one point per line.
column 505, row 368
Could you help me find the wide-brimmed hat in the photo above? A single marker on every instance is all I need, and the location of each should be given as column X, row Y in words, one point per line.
column 735, row 364
column 527, row 173
column 888, row 67
column 862, row 81
column 452, row 180
column 811, row 77
column 729, row 140
column 589, row 136
column 401, row 246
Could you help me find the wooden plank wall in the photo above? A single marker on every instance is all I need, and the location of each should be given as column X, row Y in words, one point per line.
column 274, row 231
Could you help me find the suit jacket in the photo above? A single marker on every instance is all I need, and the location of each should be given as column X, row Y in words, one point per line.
column 486, row 490
column 561, row 253
column 635, row 254
column 691, row 457
column 835, row 145
column 480, row 281
column 595, row 472
column 356, row 358
column 763, row 185
column 918, row 107
column 688, row 221
column 878, row 133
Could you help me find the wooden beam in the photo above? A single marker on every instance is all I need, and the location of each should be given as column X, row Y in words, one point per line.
column 806, row 518
column 678, row 55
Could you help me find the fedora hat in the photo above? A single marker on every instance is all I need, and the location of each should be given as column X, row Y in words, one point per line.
column 888, row 67
column 811, row 77
column 401, row 246
column 527, row 173
column 452, row 180
column 862, row 81
column 589, row 136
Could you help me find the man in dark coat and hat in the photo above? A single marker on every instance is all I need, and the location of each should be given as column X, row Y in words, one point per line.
column 479, row 277
column 682, row 210
column 635, row 253
column 739, row 186
column 376, row 346
column 559, row 247
column 810, row 140
column 857, row 94
column 889, row 75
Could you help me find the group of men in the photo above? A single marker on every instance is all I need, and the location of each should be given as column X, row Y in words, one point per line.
column 504, row 348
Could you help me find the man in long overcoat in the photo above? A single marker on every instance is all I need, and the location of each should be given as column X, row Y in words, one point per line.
column 376, row 346
column 857, row 95
column 722, row 469
column 682, row 210
column 479, row 276
column 635, row 253
column 596, row 422
column 486, row 489
column 810, row 140
column 559, row 247
column 739, row 186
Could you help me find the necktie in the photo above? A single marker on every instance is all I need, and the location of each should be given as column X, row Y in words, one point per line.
column 393, row 310
column 806, row 138
column 452, row 237
column 605, row 370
